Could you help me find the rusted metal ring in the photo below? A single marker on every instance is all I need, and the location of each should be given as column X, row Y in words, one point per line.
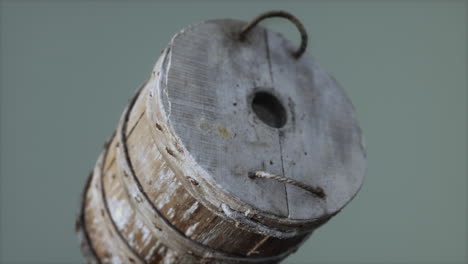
column 279, row 13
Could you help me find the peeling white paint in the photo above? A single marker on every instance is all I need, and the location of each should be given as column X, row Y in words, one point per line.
column 171, row 213
column 169, row 258
column 121, row 211
column 116, row 260
column 190, row 211
column 191, row 229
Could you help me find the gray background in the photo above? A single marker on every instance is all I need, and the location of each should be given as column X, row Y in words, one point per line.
column 68, row 69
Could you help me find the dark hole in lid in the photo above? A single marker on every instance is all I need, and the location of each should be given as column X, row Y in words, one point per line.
column 269, row 109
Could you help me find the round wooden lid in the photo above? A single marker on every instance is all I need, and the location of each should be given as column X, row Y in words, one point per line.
column 238, row 107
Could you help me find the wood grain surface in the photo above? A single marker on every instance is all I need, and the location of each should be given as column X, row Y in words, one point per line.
column 172, row 184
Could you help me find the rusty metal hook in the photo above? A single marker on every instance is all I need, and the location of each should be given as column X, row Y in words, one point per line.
column 279, row 13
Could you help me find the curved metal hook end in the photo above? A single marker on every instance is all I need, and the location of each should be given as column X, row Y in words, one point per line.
column 279, row 13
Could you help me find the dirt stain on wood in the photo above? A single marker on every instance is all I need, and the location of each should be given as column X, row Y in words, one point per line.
column 222, row 131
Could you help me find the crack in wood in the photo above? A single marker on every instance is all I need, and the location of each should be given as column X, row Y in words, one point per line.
column 136, row 123
column 279, row 133
column 254, row 249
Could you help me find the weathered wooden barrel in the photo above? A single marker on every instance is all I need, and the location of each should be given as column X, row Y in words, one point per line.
column 234, row 151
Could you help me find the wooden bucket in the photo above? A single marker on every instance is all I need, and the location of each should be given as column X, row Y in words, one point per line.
column 234, row 151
